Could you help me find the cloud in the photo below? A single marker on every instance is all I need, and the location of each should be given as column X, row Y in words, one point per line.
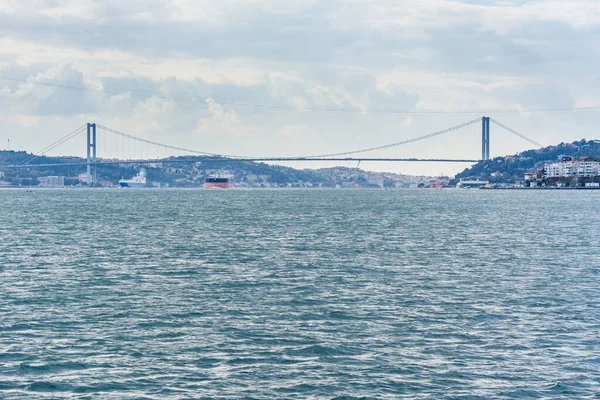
column 356, row 33
column 39, row 95
column 225, row 122
column 193, row 71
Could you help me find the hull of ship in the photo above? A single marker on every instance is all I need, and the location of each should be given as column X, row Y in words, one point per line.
column 136, row 185
column 218, row 185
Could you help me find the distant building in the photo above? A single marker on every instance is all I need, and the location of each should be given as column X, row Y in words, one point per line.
column 375, row 181
column 52, row 181
column 104, row 183
column 471, row 184
column 4, row 184
column 84, row 177
column 1, row 175
column 572, row 168
column 533, row 175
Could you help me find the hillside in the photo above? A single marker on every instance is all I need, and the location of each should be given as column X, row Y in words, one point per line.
column 512, row 168
column 191, row 173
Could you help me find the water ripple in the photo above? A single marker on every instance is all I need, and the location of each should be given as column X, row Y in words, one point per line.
column 338, row 294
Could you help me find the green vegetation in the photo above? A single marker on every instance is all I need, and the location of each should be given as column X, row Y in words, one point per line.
column 171, row 171
column 512, row 168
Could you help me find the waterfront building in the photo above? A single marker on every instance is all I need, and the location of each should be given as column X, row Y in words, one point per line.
column 104, row 183
column 84, row 177
column 375, row 181
column 572, row 168
column 531, row 176
column 52, row 181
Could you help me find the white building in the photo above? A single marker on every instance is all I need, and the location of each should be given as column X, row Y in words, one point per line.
column 588, row 168
column 376, row 181
column 84, row 177
column 568, row 168
column 52, row 181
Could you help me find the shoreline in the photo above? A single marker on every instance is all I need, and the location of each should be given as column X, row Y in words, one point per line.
column 542, row 188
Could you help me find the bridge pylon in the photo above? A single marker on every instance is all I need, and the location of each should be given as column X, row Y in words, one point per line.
column 91, row 152
column 485, row 138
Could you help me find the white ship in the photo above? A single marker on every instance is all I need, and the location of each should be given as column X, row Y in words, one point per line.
column 138, row 181
column 471, row 184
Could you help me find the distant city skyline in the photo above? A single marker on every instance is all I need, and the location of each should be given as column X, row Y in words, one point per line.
column 313, row 77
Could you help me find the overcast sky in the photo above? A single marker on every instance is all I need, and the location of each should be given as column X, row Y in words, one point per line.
column 171, row 71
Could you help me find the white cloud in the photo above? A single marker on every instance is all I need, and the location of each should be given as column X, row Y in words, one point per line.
column 222, row 121
column 182, row 66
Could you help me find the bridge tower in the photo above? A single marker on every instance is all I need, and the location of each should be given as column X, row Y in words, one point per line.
column 91, row 155
column 485, row 138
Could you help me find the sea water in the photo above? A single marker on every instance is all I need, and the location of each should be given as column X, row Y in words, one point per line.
column 185, row 294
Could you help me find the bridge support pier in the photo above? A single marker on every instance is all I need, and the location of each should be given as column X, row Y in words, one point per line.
column 485, row 138
column 91, row 152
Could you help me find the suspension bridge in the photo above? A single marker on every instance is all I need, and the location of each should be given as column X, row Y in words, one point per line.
column 92, row 161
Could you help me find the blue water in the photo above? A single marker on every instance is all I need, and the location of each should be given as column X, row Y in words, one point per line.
column 180, row 294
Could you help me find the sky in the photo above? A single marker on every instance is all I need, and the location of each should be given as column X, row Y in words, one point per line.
column 299, row 78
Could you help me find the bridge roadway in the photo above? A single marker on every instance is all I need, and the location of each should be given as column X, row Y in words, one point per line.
column 224, row 159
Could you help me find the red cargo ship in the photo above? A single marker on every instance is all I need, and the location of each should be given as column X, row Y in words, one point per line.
column 218, row 181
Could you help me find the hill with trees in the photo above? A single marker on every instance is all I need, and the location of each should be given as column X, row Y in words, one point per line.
column 510, row 169
column 191, row 172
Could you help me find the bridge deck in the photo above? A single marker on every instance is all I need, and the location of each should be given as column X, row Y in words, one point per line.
column 259, row 159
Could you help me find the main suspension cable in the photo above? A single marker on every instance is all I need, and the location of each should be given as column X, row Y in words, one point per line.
column 54, row 145
column 430, row 135
column 516, row 133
